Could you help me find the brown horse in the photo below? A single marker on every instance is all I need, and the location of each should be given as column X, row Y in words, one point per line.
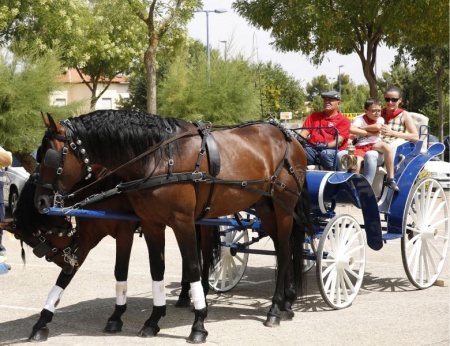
column 58, row 241
column 171, row 183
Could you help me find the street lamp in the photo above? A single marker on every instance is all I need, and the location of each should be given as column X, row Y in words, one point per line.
column 225, row 51
column 218, row 10
column 340, row 93
column 339, row 78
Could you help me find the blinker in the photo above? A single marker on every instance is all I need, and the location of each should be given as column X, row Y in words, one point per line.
column 53, row 158
column 41, row 249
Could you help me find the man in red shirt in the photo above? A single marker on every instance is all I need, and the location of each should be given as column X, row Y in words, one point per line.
column 319, row 129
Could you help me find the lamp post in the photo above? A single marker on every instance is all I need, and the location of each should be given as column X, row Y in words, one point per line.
column 225, row 51
column 339, row 78
column 340, row 93
column 218, row 10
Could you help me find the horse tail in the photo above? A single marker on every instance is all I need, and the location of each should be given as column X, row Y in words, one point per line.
column 302, row 226
column 208, row 240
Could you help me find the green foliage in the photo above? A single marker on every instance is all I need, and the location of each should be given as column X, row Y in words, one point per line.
column 280, row 92
column 346, row 26
column 25, row 85
column 223, row 94
column 353, row 96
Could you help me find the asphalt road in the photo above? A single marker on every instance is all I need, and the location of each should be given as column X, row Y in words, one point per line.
column 387, row 311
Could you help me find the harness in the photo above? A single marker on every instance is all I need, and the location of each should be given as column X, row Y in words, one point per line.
column 208, row 145
column 46, row 249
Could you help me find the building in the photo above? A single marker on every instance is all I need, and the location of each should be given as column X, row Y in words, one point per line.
column 76, row 90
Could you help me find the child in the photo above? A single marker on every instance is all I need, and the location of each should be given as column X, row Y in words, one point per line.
column 367, row 128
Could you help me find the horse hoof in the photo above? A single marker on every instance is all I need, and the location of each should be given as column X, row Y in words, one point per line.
column 113, row 327
column 197, row 337
column 272, row 321
column 287, row 315
column 148, row 331
column 183, row 303
column 39, row 335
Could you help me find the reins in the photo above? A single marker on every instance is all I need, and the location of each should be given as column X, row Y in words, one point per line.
column 140, row 156
column 196, row 176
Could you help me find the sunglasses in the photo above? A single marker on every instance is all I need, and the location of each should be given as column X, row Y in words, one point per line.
column 393, row 99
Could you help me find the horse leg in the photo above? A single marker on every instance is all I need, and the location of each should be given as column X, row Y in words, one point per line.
column 188, row 248
column 124, row 243
column 155, row 242
column 184, row 301
column 208, row 240
column 276, row 226
column 40, row 330
column 290, row 295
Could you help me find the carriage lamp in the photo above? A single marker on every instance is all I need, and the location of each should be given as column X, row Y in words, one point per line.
column 348, row 161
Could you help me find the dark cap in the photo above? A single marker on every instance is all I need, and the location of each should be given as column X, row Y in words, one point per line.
column 331, row 95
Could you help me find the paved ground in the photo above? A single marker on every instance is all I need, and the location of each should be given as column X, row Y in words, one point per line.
column 387, row 311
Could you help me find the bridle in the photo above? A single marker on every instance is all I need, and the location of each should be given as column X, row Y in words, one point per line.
column 55, row 159
column 46, row 249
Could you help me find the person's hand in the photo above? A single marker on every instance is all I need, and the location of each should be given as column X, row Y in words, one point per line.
column 301, row 139
column 321, row 146
column 386, row 131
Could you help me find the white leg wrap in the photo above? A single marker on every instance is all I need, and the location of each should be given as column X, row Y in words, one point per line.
column 159, row 293
column 197, row 295
column 53, row 298
column 121, row 292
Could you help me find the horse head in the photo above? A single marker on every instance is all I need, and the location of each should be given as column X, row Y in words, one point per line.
column 51, row 237
column 61, row 161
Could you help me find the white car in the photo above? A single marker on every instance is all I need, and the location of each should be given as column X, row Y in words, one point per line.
column 439, row 170
column 15, row 179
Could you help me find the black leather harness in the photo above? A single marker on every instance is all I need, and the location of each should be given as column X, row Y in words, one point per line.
column 210, row 146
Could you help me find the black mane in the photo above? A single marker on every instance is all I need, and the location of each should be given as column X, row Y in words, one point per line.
column 29, row 220
column 116, row 136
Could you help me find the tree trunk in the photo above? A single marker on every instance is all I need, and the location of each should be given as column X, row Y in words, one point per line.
column 150, row 66
column 368, row 64
column 27, row 161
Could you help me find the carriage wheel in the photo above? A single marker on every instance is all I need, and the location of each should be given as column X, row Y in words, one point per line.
column 231, row 267
column 425, row 233
column 341, row 258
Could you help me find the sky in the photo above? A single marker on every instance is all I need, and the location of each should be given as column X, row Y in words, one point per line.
column 255, row 44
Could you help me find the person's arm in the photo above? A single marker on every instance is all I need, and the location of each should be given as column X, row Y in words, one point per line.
column 332, row 144
column 304, row 134
column 5, row 158
column 358, row 131
column 374, row 128
column 411, row 130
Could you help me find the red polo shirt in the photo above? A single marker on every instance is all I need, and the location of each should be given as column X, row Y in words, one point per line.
column 326, row 133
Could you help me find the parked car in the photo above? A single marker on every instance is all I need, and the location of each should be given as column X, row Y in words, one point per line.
column 15, row 179
column 440, row 170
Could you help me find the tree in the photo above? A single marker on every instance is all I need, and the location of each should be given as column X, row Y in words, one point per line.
column 25, row 85
column 98, row 38
column 227, row 95
column 161, row 18
column 360, row 26
column 279, row 91
column 419, row 92
column 353, row 96
column 434, row 61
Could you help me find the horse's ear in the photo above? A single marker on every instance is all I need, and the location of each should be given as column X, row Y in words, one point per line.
column 49, row 122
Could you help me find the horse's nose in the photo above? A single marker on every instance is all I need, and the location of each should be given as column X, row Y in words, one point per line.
column 42, row 202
